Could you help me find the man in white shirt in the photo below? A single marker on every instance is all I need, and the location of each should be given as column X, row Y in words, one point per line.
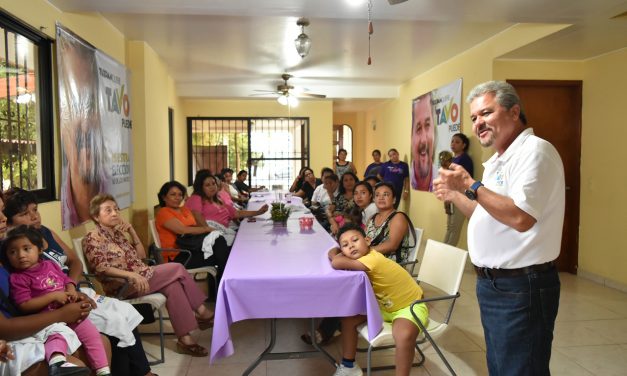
column 514, row 233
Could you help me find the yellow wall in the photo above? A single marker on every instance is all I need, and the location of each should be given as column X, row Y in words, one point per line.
column 602, row 250
column 155, row 93
column 394, row 117
column 356, row 120
column 152, row 92
column 95, row 30
column 320, row 115
column 602, row 216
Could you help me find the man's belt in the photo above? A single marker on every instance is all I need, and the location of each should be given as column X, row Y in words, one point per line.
column 508, row 273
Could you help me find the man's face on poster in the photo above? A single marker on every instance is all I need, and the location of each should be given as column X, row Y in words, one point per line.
column 422, row 137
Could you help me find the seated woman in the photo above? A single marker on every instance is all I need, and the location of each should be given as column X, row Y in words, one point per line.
column 27, row 334
column 298, row 180
column 343, row 203
column 309, row 185
column 111, row 254
column 223, row 191
column 389, row 233
column 364, row 207
column 227, row 177
column 21, row 209
column 242, row 187
column 178, row 227
column 204, row 202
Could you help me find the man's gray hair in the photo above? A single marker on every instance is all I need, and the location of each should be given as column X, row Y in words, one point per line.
column 504, row 93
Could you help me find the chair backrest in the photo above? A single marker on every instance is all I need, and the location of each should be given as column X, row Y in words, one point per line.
column 413, row 254
column 443, row 266
column 154, row 233
column 78, row 249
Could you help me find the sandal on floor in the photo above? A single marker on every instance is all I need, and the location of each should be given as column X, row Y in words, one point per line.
column 320, row 340
column 194, row 350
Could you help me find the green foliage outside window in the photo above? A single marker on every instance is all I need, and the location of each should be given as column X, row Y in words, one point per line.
column 18, row 144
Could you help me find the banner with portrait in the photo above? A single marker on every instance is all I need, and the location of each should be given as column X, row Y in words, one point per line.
column 436, row 117
column 95, row 127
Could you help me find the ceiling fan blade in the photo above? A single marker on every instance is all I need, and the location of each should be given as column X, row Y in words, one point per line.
column 310, row 95
column 394, row 2
column 263, row 94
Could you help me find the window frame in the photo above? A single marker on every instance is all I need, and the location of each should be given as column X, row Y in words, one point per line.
column 249, row 121
column 44, row 62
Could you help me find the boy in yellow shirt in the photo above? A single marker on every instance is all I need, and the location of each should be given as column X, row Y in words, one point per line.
column 395, row 290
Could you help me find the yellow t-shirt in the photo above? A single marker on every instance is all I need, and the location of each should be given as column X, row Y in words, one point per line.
column 392, row 284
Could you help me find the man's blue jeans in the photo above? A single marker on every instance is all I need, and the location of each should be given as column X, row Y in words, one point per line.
column 518, row 317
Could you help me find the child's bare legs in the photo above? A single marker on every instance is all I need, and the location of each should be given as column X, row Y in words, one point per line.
column 349, row 335
column 404, row 332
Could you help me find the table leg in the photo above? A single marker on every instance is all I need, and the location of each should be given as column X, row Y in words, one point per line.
column 267, row 354
column 316, row 346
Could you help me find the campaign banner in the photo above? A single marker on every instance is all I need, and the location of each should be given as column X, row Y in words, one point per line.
column 95, row 127
column 436, row 117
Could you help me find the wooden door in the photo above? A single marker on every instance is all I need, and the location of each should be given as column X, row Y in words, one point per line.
column 553, row 110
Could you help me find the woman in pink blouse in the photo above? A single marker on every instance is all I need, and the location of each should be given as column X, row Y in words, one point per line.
column 206, row 201
column 111, row 254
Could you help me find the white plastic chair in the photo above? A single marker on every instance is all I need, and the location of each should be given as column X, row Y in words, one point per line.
column 195, row 272
column 442, row 267
column 411, row 262
column 155, row 300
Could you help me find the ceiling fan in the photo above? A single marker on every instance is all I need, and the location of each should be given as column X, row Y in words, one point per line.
column 287, row 94
column 394, row 2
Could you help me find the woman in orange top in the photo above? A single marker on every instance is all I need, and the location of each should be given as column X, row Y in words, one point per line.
column 175, row 221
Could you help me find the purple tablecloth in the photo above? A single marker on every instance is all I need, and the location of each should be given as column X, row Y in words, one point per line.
column 283, row 272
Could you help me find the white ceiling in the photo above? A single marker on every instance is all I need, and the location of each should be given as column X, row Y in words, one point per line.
column 229, row 48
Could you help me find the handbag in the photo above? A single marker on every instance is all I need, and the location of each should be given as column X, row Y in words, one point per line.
column 190, row 242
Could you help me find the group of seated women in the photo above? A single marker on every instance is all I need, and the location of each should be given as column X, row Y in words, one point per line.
column 115, row 253
column 368, row 202
column 33, row 336
column 205, row 211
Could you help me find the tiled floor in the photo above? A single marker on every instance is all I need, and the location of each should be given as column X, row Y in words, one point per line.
column 590, row 339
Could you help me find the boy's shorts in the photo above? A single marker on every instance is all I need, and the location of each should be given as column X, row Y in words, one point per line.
column 421, row 311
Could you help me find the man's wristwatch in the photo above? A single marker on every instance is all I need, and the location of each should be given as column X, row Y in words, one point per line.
column 471, row 192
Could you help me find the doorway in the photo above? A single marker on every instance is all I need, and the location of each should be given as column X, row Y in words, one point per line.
column 553, row 110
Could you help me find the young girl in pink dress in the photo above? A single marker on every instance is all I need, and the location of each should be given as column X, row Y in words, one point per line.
column 40, row 285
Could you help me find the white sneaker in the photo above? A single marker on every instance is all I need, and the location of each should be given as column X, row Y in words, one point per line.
column 345, row 371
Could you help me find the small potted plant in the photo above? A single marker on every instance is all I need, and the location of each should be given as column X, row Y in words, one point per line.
column 279, row 213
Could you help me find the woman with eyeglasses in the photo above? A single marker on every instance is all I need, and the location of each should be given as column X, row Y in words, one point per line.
column 389, row 231
column 309, row 185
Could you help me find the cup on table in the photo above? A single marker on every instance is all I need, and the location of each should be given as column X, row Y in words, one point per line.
column 306, row 223
column 288, row 198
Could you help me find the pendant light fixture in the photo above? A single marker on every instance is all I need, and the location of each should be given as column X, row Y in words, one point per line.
column 302, row 42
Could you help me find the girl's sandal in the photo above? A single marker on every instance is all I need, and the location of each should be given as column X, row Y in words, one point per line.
column 194, row 350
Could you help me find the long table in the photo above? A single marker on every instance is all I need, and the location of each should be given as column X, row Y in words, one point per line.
column 283, row 272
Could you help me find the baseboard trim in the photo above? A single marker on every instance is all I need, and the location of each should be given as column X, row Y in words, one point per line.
column 602, row 280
